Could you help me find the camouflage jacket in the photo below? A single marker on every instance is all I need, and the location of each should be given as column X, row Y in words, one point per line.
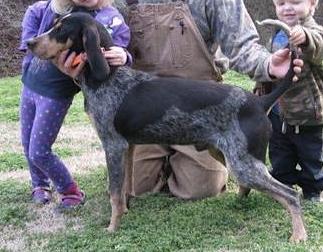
column 302, row 104
column 227, row 24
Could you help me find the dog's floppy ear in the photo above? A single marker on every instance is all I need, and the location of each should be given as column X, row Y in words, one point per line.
column 99, row 67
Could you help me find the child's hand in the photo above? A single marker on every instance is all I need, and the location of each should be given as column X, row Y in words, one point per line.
column 116, row 56
column 297, row 35
column 69, row 65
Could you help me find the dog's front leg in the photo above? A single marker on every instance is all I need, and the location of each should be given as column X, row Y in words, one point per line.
column 116, row 161
column 128, row 182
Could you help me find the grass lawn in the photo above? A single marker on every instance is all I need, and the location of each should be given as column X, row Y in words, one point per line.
column 154, row 222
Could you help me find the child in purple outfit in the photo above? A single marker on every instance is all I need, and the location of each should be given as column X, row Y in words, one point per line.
column 48, row 93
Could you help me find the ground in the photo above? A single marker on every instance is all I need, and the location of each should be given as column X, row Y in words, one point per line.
column 11, row 14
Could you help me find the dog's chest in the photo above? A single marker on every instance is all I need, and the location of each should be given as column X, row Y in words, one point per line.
column 102, row 104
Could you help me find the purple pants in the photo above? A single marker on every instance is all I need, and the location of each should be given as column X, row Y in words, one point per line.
column 41, row 119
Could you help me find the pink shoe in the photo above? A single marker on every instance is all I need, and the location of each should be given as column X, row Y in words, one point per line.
column 72, row 197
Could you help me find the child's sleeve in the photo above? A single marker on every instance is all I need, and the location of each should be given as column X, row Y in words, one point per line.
column 121, row 35
column 30, row 26
column 313, row 50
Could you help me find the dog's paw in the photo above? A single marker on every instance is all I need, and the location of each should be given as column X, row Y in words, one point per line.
column 298, row 237
column 125, row 210
column 112, row 228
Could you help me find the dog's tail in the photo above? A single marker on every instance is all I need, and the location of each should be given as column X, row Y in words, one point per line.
column 282, row 86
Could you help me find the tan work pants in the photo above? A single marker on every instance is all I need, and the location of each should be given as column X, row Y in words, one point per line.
column 166, row 41
column 194, row 175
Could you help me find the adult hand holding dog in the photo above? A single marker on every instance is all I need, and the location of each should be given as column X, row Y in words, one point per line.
column 280, row 62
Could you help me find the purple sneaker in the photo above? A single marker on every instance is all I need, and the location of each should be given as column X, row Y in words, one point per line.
column 41, row 195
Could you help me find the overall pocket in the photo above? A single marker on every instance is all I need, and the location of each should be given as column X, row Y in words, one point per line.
column 143, row 36
column 162, row 41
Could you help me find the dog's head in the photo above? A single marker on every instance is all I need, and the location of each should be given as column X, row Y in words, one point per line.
column 78, row 32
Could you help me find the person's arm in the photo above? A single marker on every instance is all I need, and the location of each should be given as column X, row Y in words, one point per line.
column 313, row 46
column 233, row 29
column 30, row 24
column 121, row 38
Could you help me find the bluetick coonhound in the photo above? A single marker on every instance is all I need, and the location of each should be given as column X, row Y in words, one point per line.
column 132, row 107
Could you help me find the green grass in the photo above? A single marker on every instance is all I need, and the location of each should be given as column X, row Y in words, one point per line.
column 13, row 207
column 9, row 104
column 162, row 223
column 16, row 161
column 234, row 78
column 65, row 152
column 12, row 162
column 154, row 222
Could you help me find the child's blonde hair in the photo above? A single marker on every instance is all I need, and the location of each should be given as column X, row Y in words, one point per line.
column 63, row 7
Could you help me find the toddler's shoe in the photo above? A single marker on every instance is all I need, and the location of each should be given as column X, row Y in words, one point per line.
column 72, row 198
column 41, row 195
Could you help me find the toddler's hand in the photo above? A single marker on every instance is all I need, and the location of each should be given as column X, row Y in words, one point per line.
column 116, row 56
column 68, row 64
column 297, row 35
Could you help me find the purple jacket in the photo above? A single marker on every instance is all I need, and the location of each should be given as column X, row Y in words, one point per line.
column 42, row 76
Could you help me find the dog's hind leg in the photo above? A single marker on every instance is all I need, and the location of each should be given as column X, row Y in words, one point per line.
column 290, row 200
column 218, row 155
column 253, row 173
column 116, row 155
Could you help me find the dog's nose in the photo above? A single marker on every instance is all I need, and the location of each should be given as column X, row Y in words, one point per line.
column 31, row 43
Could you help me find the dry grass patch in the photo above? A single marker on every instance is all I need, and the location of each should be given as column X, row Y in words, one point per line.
column 45, row 222
column 80, row 139
column 10, row 138
column 12, row 239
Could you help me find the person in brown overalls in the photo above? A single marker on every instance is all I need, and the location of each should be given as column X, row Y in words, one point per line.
column 175, row 48
column 167, row 41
